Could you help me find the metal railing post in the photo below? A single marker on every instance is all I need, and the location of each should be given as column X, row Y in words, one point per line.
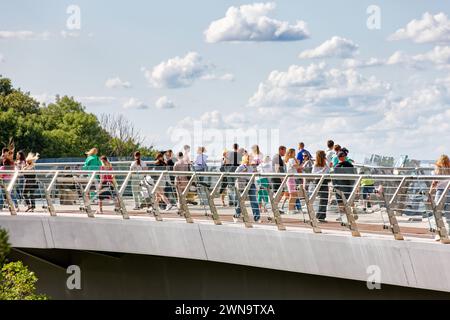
column 8, row 190
column 351, row 222
column 50, row 206
column 86, row 197
column 309, row 207
column 393, row 223
column 275, row 211
column 155, row 203
column 437, row 213
column 119, row 192
column 183, row 202
column 210, row 196
column 241, row 199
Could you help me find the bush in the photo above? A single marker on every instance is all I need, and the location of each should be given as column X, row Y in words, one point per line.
column 16, row 281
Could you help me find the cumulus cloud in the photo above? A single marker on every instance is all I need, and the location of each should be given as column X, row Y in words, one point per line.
column 439, row 57
column 178, row 72
column 116, row 82
column 133, row 103
column 224, row 77
column 429, row 29
column 23, row 35
column 356, row 63
column 251, row 23
column 317, row 87
column 164, row 103
column 335, row 47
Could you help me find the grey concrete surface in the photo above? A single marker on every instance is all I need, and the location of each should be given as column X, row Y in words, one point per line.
column 417, row 263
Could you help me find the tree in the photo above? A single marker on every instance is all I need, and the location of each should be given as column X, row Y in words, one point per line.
column 124, row 137
column 63, row 128
column 16, row 281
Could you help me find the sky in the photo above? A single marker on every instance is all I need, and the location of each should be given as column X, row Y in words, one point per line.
column 371, row 75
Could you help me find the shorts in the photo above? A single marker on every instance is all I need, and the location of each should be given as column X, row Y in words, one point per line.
column 366, row 190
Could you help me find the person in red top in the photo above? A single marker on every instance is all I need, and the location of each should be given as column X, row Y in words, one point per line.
column 108, row 184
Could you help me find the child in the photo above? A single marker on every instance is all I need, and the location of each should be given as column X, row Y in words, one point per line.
column 367, row 188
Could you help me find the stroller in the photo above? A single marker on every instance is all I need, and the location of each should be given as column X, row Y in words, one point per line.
column 147, row 184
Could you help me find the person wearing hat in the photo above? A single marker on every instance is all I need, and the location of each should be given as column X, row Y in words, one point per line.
column 30, row 182
column 92, row 161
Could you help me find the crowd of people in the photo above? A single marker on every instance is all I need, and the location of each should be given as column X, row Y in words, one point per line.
column 335, row 159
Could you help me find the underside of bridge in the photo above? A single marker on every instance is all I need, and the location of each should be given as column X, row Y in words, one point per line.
column 133, row 276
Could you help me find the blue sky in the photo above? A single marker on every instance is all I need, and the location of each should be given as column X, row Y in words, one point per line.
column 398, row 105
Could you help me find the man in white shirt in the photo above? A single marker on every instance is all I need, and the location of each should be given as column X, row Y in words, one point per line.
column 330, row 152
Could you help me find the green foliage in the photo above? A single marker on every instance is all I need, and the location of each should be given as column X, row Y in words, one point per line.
column 4, row 246
column 60, row 129
column 16, row 281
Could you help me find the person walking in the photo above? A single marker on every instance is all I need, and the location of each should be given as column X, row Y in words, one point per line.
column 321, row 167
column 442, row 168
column 30, row 181
column 241, row 183
column 5, row 178
column 180, row 181
column 108, row 185
column 263, row 184
column 137, row 166
column 19, row 164
column 292, row 167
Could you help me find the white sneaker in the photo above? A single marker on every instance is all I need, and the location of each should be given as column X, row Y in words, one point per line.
column 170, row 206
column 235, row 220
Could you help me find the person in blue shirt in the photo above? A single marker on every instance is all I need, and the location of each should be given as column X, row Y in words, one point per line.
column 301, row 152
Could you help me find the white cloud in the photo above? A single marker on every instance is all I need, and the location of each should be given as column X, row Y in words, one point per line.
column 43, row 97
column 251, row 23
column 133, row 103
column 371, row 62
column 2, row 58
column 116, row 82
column 429, row 29
column 335, row 47
column 95, row 100
column 164, row 103
column 23, row 35
column 318, row 88
column 178, row 72
column 439, row 56
column 224, row 77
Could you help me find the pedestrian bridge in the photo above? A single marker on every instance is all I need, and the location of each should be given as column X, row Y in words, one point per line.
column 393, row 241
